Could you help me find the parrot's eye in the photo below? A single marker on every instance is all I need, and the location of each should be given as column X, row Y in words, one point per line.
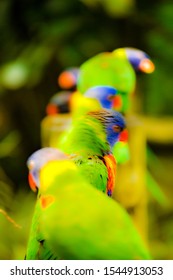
column 117, row 128
column 110, row 97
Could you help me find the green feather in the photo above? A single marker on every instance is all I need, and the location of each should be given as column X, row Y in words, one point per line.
column 37, row 248
column 82, row 223
column 86, row 142
column 108, row 69
column 93, row 169
column 86, row 136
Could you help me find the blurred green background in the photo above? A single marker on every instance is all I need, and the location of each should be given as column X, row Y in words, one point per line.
column 41, row 38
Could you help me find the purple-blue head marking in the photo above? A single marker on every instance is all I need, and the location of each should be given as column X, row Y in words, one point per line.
column 37, row 160
column 112, row 121
column 114, row 125
column 139, row 60
column 104, row 94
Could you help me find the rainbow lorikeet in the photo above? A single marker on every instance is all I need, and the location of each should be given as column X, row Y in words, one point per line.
column 90, row 141
column 35, row 248
column 66, row 106
column 80, row 222
column 95, row 98
column 106, row 96
column 89, row 146
column 116, row 69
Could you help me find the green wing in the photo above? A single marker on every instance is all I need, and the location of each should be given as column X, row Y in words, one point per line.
column 108, row 69
column 93, row 169
column 37, row 248
column 80, row 222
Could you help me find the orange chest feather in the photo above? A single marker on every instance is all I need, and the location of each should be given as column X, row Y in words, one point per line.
column 110, row 163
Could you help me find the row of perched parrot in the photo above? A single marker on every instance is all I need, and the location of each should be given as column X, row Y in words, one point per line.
column 75, row 215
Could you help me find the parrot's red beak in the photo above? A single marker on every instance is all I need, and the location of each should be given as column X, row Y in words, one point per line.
column 66, row 80
column 146, row 66
column 117, row 102
column 52, row 109
column 32, row 183
column 124, row 136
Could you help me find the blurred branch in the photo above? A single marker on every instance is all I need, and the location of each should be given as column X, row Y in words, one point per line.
column 9, row 218
column 158, row 130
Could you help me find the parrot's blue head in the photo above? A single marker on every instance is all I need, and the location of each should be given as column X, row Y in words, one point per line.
column 104, row 94
column 114, row 124
column 112, row 121
column 37, row 160
column 139, row 60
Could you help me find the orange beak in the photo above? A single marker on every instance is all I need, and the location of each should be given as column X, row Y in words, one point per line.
column 32, row 183
column 51, row 109
column 146, row 66
column 124, row 136
column 66, row 80
column 117, row 102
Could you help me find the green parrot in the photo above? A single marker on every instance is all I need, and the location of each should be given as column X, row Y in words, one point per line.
column 105, row 96
column 88, row 145
column 36, row 250
column 80, row 222
column 90, row 141
column 116, row 69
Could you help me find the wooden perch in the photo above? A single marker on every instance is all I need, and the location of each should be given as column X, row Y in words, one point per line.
column 158, row 129
column 130, row 189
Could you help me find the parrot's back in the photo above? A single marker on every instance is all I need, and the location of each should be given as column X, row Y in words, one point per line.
column 82, row 223
column 109, row 70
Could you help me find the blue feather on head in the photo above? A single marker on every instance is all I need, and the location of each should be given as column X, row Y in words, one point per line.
column 104, row 94
column 113, row 122
column 39, row 158
column 139, row 60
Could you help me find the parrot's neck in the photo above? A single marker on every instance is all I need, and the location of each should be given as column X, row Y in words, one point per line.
column 88, row 137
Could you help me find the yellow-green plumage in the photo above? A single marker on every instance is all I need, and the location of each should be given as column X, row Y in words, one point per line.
column 82, row 223
column 86, row 136
column 87, row 144
column 104, row 72
column 37, row 248
column 90, row 147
